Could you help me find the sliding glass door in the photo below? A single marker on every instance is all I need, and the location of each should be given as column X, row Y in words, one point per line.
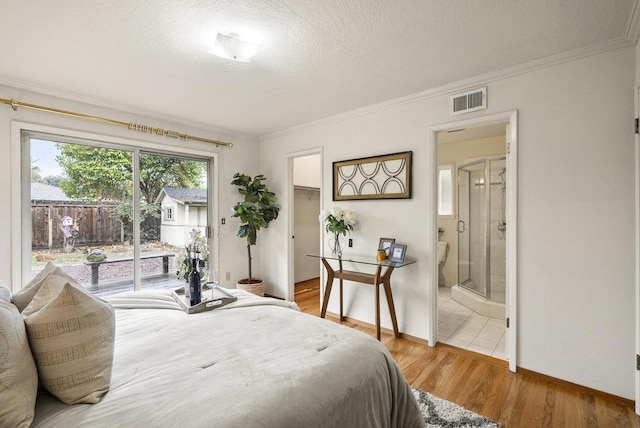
column 113, row 217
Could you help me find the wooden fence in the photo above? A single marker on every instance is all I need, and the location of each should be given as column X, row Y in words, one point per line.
column 96, row 225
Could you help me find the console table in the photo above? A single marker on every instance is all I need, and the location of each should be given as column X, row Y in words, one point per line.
column 374, row 279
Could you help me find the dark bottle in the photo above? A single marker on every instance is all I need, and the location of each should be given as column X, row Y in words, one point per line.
column 195, row 289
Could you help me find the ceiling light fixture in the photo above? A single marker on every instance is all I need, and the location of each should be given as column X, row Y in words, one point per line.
column 231, row 47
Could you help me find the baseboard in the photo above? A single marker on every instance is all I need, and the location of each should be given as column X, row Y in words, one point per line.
column 273, row 297
column 575, row 386
column 408, row 337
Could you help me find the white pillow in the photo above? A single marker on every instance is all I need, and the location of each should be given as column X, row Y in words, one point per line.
column 5, row 292
column 22, row 298
column 71, row 334
column 18, row 375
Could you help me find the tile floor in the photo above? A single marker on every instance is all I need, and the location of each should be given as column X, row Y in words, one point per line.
column 461, row 327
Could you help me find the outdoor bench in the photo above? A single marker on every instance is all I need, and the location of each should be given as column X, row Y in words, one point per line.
column 95, row 266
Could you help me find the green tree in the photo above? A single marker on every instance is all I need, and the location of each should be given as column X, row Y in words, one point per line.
column 36, row 174
column 94, row 173
column 97, row 173
column 53, row 180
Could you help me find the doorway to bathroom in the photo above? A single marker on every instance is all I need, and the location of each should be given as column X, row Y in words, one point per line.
column 473, row 209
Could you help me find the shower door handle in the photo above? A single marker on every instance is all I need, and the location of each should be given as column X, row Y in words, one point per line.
column 460, row 227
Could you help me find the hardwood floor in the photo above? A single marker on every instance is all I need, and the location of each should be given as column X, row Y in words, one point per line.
column 484, row 385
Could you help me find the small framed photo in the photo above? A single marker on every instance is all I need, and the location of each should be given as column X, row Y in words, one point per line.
column 397, row 252
column 385, row 244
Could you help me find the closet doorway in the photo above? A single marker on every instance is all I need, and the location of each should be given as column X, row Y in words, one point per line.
column 305, row 228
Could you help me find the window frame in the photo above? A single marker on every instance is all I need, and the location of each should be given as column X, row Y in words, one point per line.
column 451, row 168
column 168, row 213
column 22, row 132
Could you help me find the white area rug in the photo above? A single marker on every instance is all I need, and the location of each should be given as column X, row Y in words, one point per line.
column 438, row 412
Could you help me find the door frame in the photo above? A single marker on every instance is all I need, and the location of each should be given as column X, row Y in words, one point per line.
column 291, row 218
column 511, row 119
column 637, row 249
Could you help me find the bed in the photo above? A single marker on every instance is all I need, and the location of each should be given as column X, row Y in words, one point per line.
column 257, row 362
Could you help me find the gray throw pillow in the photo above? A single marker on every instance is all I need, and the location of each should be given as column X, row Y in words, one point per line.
column 18, row 374
column 5, row 293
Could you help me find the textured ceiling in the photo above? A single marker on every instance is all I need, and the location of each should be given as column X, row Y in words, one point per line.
column 319, row 58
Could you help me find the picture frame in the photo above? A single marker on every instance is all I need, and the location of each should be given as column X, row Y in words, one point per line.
column 374, row 177
column 385, row 244
column 397, row 252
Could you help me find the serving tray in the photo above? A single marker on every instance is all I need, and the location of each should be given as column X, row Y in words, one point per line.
column 213, row 297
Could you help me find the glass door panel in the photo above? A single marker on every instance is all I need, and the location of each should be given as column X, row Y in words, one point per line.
column 472, row 225
column 463, row 226
column 81, row 195
column 173, row 218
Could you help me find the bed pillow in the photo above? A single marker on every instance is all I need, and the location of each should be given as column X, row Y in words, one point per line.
column 18, row 374
column 22, row 298
column 5, row 293
column 71, row 334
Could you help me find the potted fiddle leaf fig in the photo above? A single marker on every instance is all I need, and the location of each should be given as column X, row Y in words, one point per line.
column 255, row 211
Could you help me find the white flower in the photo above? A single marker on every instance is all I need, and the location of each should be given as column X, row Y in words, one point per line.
column 350, row 217
column 338, row 220
column 198, row 244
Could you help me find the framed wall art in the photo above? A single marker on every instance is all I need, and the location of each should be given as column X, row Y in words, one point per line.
column 375, row 177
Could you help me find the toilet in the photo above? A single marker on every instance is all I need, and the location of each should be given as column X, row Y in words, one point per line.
column 442, row 252
column 442, row 257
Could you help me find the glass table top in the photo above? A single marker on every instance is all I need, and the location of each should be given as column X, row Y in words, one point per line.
column 364, row 259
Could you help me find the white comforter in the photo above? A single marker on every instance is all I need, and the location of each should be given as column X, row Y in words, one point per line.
column 249, row 364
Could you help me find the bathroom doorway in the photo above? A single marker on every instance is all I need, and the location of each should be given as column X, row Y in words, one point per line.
column 472, row 214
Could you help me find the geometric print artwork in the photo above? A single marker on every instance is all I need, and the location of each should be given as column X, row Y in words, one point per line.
column 375, row 177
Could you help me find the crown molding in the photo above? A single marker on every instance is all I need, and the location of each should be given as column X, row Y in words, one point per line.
column 221, row 133
column 457, row 86
column 632, row 31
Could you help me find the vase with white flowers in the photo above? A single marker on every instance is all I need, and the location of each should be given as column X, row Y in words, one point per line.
column 339, row 222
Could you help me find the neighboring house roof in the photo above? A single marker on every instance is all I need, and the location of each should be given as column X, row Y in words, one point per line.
column 43, row 192
column 184, row 195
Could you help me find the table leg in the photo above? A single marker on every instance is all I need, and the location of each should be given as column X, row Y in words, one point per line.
column 376, row 282
column 327, row 288
column 94, row 274
column 165, row 264
column 389, row 295
column 341, row 288
column 341, row 310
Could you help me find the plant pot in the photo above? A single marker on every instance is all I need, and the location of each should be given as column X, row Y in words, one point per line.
column 256, row 286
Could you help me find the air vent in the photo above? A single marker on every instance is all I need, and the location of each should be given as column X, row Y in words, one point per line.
column 468, row 101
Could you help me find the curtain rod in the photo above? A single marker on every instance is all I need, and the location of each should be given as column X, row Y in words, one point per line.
column 129, row 125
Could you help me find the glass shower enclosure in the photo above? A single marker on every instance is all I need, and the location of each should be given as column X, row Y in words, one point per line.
column 481, row 227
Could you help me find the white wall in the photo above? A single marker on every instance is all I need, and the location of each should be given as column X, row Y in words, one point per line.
column 306, row 171
column 575, row 212
column 240, row 157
